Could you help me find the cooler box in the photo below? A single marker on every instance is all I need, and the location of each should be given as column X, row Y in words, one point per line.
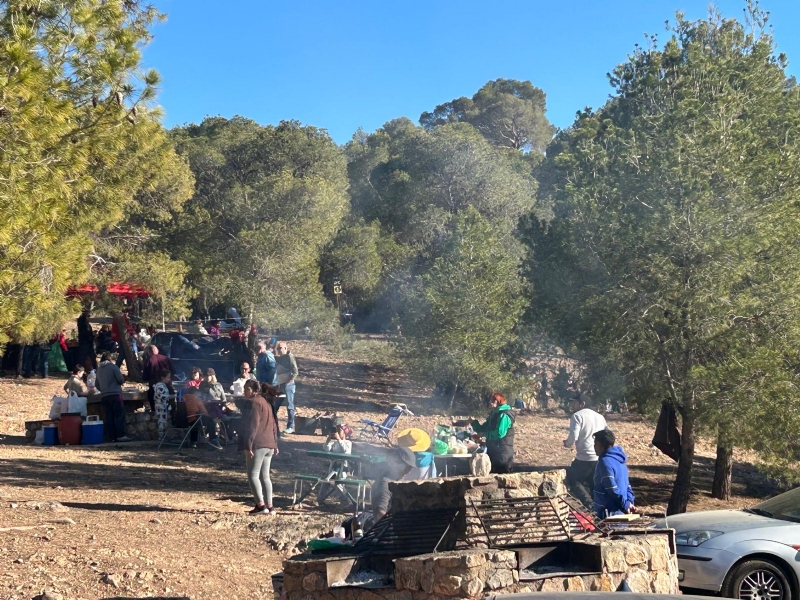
column 50, row 435
column 92, row 430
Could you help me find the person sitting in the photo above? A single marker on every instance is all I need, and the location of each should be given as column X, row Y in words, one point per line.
column 197, row 327
column 195, row 409
column 196, row 379
column 213, row 328
column 612, row 489
column 75, row 382
column 419, row 443
column 212, row 387
column 499, row 433
column 247, row 374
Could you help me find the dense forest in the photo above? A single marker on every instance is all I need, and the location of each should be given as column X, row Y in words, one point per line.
column 653, row 240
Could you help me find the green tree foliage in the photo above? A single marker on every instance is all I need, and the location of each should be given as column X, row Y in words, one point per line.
column 462, row 311
column 74, row 110
column 420, row 198
column 673, row 250
column 509, row 113
column 267, row 201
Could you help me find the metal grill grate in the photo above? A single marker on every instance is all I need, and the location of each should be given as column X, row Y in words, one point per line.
column 410, row 533
column 521, row 521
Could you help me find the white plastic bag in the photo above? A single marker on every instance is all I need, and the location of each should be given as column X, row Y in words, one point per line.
column 238, row 387
column 57, row 405
column 39, row 437
column 480, row 465
column 76, row 404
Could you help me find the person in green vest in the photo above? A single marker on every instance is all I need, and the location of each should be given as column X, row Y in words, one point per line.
column 499, row 433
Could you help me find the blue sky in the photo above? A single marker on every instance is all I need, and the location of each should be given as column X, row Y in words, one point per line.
column 341, row 64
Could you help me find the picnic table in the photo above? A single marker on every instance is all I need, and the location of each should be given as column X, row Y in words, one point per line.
column 336, row 477
column 453, row 462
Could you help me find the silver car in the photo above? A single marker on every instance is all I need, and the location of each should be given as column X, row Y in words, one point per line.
column 752, row 554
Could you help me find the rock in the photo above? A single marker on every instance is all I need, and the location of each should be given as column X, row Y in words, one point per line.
column 111, row 579
column 602, row 583
column 62, row 521
column 426, row 579
column 449, row 562
column 314, row 582
column 474, row 560
column 129, row 574
column 638, row 580
column 449, row 585
column 480, row 465
column 46, row 505
column 49, row 595
column 500, row 579
column 553, row 585
column 635, row 555
column 472, row 588
column 664, row 584
column 575, row 584
column 614, row 558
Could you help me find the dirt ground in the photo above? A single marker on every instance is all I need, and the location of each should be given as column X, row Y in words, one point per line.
column 128, row 521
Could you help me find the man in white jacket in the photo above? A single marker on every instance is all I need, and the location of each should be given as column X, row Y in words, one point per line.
column 583, row 424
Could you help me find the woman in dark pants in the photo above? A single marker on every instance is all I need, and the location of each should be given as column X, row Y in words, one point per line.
column 499, row 433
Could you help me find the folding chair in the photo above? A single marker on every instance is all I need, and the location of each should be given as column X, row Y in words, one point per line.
column 381, row 431
column 181, row 424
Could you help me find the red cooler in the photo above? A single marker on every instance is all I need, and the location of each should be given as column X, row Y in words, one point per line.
column 69, row 429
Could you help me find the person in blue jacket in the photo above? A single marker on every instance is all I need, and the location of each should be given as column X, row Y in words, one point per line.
column 266, row 366
column 612, row 490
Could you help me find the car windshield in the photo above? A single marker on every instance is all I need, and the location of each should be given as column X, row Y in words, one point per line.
column 784, row 506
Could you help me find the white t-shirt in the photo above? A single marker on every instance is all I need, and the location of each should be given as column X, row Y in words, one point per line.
column 582, row 427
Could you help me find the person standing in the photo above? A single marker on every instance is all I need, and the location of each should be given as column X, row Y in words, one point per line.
column 265, row 364
column 161, row 394
column 612, row 489
column 153, row 366
column 109, row 382
column 499, row 433
column 252, row 344
column 86, row 354
column 259, row 444
column 583, row 424
column 286, row 367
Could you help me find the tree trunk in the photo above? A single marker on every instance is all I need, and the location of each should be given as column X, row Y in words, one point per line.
column 19, row 360
column 131, row 360
column 723, row 468
column 682, row 488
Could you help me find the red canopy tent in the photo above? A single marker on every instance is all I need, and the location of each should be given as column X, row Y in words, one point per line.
column 122, row 290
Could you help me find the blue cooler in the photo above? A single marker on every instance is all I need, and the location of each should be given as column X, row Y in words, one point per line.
column 50, row 435
column 92, row 430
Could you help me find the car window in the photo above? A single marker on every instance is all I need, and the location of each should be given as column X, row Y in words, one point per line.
column 784, row 506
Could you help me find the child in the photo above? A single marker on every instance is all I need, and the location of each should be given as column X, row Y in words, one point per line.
column 161, row 401
column 197, row 378
column 75, row 382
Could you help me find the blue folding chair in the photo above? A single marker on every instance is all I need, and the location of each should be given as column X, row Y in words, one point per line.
column 373, row 430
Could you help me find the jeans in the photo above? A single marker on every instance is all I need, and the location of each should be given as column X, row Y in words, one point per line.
column 115, row 416
column 289, row 391
column 580, row 480
column 258, row 475
column 44, row 361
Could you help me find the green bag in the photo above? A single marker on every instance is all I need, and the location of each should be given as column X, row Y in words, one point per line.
column 56, row 359
column 439, row 447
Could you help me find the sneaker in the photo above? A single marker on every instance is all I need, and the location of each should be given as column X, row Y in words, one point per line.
column 259, row 510
column 289, row 430
column 124, row 438
column 215, row 444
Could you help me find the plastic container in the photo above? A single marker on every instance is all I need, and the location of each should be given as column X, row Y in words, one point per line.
column 69, row 429
column 92, row 431
column 91, row 380
column 50, row 435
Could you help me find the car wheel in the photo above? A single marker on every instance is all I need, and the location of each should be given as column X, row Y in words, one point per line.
column 757, row 580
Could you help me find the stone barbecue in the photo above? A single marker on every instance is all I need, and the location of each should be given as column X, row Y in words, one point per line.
column 464, row 537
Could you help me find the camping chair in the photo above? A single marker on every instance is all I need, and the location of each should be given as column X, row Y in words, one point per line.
column 181, row 424
column 373, row 430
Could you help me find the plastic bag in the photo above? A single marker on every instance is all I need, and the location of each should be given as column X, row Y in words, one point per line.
column 439, row 447
column 57, row 405
column 55, row 361
column 237, row 389
column 76, row 404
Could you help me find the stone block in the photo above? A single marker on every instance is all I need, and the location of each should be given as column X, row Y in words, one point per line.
column 406, row 575
column 575, row 584
column 343, row 593
column 555, row 584
column 397, row 595
column 474, row 560
column 508, row 482
column 602, row 583
column 472, row 588
column 638, row 580
column 447, row 585
column 314, row 582
column 520, row 493
column 635, row 554
column 662, row 583
column 659, row 558
column 448, row 562
column 613, row 555
column 426, row 579
column 368, row 595
column 500, row 579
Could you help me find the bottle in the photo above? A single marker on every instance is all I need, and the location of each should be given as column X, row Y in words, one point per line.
column 91, row 380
